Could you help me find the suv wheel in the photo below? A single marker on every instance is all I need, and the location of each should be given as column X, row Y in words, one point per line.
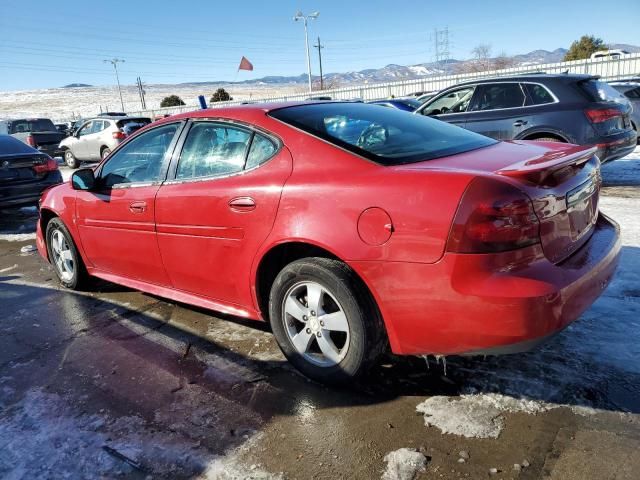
column 70, row 159
column 324, row 321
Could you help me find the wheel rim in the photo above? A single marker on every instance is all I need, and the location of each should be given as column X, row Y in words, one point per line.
column 68, row 157
column 105, row 152
column 316, row 324
column 62, row 256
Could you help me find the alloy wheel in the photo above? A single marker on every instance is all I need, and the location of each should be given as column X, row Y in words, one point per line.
column 316, row 324
column 62, row 256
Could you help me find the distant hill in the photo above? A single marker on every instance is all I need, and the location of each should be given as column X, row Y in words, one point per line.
column 393, row 72
column 77, row 85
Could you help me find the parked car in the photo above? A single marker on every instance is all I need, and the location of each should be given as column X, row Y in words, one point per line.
column 112, row 114
column 577, row 109
column 24, row 173
column 97, row 137
column 426, row 96
column 64, row 128
column 39, row 133
column 405, row 104
column 631, row 90
column 609, row 54
column 416, row 234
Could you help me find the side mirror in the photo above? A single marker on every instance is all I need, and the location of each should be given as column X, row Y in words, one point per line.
column 83, row 179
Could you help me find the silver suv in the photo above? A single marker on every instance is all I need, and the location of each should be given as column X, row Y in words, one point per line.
column 97, row 137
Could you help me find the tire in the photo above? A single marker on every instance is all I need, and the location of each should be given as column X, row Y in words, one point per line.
column 105, row 152
column 72, row 272
column 548, row 139
column 352, row 348
column 70, row 159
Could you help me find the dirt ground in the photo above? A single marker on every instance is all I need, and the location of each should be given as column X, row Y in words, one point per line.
column 115, row 383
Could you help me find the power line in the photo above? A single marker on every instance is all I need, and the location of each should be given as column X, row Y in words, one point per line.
column 441, row 46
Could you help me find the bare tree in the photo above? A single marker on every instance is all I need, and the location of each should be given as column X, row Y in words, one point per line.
column 481, row 58
column 503, row 61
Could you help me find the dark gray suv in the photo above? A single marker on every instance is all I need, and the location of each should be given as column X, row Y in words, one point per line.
column 577, row 109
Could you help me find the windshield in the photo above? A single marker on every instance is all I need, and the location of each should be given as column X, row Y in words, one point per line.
column 34, row 125
column 386, row 136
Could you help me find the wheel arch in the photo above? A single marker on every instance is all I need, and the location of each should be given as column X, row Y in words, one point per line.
column 46, row 215
column 541, row 132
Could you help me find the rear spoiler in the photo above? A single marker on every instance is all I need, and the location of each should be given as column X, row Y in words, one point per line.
column 539, row 168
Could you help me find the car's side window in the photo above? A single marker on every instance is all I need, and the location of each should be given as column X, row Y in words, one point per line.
column 260, row 151
column 86, row 129
column 213, row 149
column 141, row 159
column 494, row 96
column 539, row 94
column 456, row 101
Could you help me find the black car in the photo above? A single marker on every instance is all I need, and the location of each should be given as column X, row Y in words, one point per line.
column 24, row 173
column 577, row 109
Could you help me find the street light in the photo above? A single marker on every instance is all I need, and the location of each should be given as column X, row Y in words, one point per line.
column 305, row 18
column 114, row 62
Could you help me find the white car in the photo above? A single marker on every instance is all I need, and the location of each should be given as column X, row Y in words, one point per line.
column 97, row 137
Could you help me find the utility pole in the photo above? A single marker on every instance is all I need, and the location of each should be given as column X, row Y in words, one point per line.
column 305, row 18
column 114, row 62
column 319, row 46
column 141, row 92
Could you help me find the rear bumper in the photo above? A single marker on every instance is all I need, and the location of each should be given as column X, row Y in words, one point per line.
column 489, row 304
column 23, row 194
column 620, row 146
column 51, row 150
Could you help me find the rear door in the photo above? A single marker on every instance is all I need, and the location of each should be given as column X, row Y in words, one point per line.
column 93, row 140
column 219, row 208
column 117, row 220
column 451, row 106
column 499, row 110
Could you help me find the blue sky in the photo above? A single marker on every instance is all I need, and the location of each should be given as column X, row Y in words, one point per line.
column 53, row 43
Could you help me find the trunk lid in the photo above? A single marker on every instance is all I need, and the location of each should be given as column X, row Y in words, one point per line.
column 21, row 168
column 562, row 181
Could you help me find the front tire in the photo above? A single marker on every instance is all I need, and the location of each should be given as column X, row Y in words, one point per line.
column 64, row 256
column 70, row 159
column 325, row 321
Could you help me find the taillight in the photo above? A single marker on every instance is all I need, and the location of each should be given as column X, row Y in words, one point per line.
column 599, row 115
column 31, row 141
column 49, row 166
column 493, row 216
column 119, row 135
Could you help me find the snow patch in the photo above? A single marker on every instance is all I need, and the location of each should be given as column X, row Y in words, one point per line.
column 17, row 237
column 475, row 415
column 404, row 464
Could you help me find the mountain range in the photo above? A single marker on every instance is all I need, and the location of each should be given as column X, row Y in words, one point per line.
column 393, row 71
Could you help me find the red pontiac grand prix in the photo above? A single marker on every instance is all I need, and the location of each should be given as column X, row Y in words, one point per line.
column 349, row 227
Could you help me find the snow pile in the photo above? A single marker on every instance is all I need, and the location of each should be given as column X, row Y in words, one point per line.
column 624, row 171
column 404, row 464
column 475, row 416
column 17, row 237
column 44, row 434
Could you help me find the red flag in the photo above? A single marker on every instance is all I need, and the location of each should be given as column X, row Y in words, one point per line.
column 245, row 64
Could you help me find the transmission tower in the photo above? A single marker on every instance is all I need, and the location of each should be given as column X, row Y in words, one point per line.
column 441, row 46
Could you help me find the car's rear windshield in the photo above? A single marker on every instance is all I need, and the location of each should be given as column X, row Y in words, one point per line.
column 602, row 91
column 32, row 125
column 384, row 135
column 139, row 121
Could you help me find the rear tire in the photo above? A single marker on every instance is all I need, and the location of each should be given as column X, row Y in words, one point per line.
column 105, row 152
column 64, row 256
column 325, row 321
column 548, row 139
column 70, row 159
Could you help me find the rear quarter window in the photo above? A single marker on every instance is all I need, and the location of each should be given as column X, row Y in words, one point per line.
column 539, row 94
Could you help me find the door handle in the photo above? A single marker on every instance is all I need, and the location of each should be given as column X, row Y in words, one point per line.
column 242, row 204
column 138, row 207
column 520, row 123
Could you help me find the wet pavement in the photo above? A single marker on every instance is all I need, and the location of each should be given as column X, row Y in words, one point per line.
column 116, row 383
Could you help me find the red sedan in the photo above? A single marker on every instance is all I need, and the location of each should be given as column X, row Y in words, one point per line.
column 349, row 227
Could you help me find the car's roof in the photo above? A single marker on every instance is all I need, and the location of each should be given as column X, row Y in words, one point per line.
column 116, row 119
column 242, row 110
column 532, row 77
column 625, row 84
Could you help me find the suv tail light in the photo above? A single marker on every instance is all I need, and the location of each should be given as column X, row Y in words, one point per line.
column 31, row 141
column 49, row 166
column 492, row 217
column 119, row 135
column 599, row 115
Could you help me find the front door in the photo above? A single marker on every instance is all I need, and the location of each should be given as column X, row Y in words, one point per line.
column 450, row 107
column 79, row 149
column 220, row 207
column 117, row 221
